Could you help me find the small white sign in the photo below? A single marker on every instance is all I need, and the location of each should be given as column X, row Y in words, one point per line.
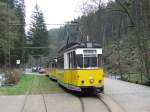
column 17, row 62
column 1, row 77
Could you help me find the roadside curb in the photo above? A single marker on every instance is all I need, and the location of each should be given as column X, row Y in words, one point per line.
column 110, row 103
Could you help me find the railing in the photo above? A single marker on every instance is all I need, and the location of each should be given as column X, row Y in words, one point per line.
column 130, row 77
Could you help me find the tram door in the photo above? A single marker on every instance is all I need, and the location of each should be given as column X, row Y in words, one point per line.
column 66, row 68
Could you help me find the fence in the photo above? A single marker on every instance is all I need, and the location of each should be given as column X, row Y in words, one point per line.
column 130, row 77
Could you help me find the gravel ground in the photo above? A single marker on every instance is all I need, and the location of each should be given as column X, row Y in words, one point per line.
column 132, row 97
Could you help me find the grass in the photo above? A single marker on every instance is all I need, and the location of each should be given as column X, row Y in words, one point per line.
column 32, row 84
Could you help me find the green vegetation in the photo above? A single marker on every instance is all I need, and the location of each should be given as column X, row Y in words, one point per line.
column 135, row 78
column 32, row 84
column 38, row 34
column 42, row 84
column 20, row 88
column 59, row 37
column 122, row 28
column 12, row 12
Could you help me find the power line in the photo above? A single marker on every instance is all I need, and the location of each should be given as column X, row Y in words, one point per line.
column 53, row 24
column 36, row 47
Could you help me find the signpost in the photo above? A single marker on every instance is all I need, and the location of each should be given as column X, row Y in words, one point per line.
column 18, row 62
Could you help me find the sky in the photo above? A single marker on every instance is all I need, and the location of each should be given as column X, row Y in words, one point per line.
column 55, row 11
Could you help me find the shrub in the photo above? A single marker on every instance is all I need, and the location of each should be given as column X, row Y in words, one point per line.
column 12, row 76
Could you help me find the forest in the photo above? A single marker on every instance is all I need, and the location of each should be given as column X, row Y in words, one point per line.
column 122, row 27
column 12, row 31
column 17, row 42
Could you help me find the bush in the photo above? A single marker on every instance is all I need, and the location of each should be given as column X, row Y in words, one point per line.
column 12, row 76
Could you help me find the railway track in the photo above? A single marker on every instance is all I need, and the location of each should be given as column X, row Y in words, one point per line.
column 99, row 103
column 106, row 105
column 96, row 103
column 82, row 105
column 41, row 92
column 27, row 94
column 93, row 104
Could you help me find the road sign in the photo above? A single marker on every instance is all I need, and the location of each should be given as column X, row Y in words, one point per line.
column 18, row 62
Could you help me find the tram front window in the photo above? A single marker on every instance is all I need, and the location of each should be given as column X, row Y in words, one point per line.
column 90, row 62
column 86, row 62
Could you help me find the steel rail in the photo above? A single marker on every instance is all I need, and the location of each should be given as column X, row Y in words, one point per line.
column 82, row 104
column 97, row 96
column 42, row 95
column 26, row 97
column 108, row 108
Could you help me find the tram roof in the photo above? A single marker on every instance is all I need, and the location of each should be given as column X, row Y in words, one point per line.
column 79, row 45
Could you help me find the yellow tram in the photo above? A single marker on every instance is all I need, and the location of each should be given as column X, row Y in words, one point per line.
column 79, row 67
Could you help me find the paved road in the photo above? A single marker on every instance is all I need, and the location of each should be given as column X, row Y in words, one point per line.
column 11, row 103
column 132, row 97
column 93, row 104
column 62, row 103
column 35, row 103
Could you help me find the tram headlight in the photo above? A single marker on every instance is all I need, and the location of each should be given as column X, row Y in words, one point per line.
column 91, row 81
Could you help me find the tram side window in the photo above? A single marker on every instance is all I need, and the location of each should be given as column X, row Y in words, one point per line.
column 61, row 63
column 69, row 60
column 53, row 65
column 79, row 59
column 100, row 61
column 49, row 65
column 72, row 60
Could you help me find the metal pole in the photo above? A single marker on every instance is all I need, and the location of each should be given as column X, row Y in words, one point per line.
column 23, row 51
column 141, row 77
column 9, row 58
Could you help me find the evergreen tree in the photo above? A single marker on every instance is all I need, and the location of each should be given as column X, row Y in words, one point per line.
column 10, row 3
column 38, row 33
column 9, row 34
column 20, row 10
